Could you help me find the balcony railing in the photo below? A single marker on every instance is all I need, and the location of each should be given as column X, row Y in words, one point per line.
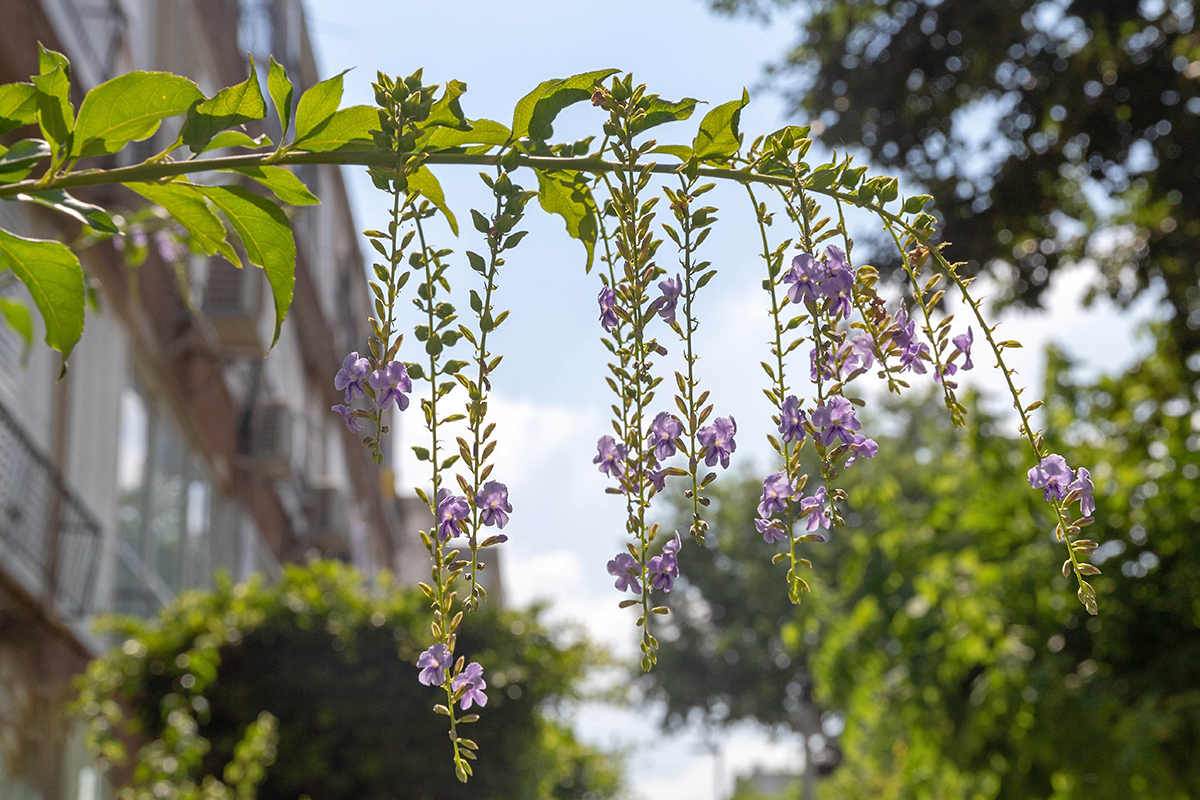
column 50, row 541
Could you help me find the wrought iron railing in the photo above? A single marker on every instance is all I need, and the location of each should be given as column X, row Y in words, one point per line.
column 49, row 537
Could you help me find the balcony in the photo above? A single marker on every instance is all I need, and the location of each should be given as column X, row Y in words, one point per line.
column 49, row 541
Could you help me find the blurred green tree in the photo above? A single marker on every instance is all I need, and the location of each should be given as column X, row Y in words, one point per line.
column 1050, row 131
column 331, row 656
column 935, row 637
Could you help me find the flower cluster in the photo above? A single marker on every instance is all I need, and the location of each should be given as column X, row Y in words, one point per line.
column 1059, row 482
column 387, row 385
column 467, row 686
column 831, row 279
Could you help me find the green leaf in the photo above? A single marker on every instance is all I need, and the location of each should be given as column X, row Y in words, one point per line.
column 18, row 161
column 233, row 105
column 661, row 111
column 348, row 129
column 49, row 60
column 87, row 214
column 55, row 114
column 18, row 105
column 719, row 137
column 680, row 151
column 536, row 111
column 424, row 183
column 316, row 106
column 267, row 237
column 483, row 131
column 130, row 108
column 446, row 112
column 18, row 318
column 566, row 193
column 286, row 186
column 238, row 139
column 280, row 88
column 51, row 273
column 185, row 202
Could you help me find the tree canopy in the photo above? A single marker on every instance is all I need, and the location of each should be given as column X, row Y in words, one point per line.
column 1051, row 131
column 955, row 667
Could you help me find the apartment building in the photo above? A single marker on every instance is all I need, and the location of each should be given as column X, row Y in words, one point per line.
column 172, row 448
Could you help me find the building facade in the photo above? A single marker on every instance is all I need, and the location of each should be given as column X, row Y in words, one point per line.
column 175, row 445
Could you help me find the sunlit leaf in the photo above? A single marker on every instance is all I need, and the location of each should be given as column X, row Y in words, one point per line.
column 423, row 182
column 55, row 114
column 483, row 131
column 91, row 215
column 286, row 186
column 233, row 105
column 267, row 238
column 280, row 88
column 18, row 105
column 51, row 273
column 18, row 161
column 316, row 106
column 719, row 137
column 566, row 193
column 129, row 108
column 348, row 129
column 535, row 112
column 187, row 205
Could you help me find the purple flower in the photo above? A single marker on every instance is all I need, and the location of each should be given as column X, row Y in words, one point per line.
column 390, row 383
column 350, row 377
column 670, row 288
column 791, row 419
column 608, row 314
column 771, row 529
column 664, row 432
column 1053, row 476
column 472, row 679
column 805, row 277
column 672, row 546
column 963, row 343
column 449, row 511
column 169, row 250
column 433, row 664
column 664, row 570
column 945, row 371
column 493, row 505
column 904, row 330
column 863, row 346
column 911, row 357
column 814, row 508
column 610, row 456
column 777, row 491
column 626, row 570
column 718, row 441
column 838, row 283
column 837, row 421
column 1083, row 482
column 862, row 447
column 658, row 479
column 348, row 415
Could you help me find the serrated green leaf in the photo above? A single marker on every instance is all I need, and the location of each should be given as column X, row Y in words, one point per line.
column 285, row 185
column 483, row 131
column 86, row 213
column 279, row 86
column 535, row 112
column 446, row 112
column 424, row 183
column 18, row 106
column 129, row 108
column 49, row 60
column 232, row 106
column 348, row 129
column 719, row 137
column 237, row 139
column 566, row 193
column 186, row 204
column 267, row 238
column 662, row 111
column 51, row 273
column 317, row 106
column 18, row 317
column 55, row 114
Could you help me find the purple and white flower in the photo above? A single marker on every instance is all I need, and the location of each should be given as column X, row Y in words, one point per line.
column 1053, row 476
column 433, row 664
column 670, row 289
column 627, row 571
column 718, row 441
column 1083, row 483
column 791, row 419
column 772, row 530
column 608, row 314
column 664, row 433
column 610, row 456
column 805, row 279
column 493, row 505
column 814, row 508
column 350, row 377
column 348, row 415
column 962, row 343
column 472, row 679
column 777, row 492
column 449, row 511
column 390, row 383
column 836, row 420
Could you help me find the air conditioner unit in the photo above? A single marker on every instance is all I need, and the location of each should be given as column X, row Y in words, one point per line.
column 329, row 521
column 232, row 303
column 271, row 439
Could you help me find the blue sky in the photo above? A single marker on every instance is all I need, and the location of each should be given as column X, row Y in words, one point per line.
column 550, row 401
